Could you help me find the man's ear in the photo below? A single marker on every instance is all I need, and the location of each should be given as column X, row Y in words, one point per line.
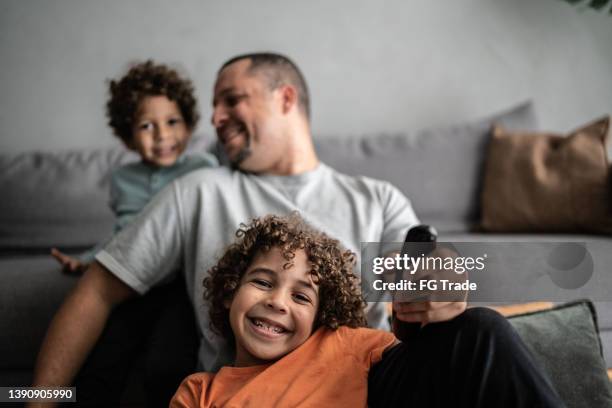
column 289, row 97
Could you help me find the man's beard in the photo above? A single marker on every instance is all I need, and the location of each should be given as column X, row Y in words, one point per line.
column 242, row 155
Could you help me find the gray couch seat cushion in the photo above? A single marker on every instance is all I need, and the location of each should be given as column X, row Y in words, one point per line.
column 32, row 290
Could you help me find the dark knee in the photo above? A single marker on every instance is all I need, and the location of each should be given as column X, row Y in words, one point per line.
column 484, row 319
column 483, row 315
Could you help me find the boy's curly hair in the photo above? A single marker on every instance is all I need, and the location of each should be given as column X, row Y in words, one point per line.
column 340, row 300
column 148, row 79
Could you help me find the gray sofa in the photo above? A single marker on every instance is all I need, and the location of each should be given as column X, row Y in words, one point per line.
column 60, row 199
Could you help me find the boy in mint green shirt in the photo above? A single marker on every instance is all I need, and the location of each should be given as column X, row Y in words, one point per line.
column 153, row 111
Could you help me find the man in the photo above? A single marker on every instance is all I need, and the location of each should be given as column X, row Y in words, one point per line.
column 261, row 115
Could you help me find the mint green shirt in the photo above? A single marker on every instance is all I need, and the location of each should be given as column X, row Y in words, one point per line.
column 133, row 185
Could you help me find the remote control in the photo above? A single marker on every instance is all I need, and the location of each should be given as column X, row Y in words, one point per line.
column 420, row 239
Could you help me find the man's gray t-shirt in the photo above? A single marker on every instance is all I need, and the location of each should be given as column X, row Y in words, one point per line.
column 189, row 224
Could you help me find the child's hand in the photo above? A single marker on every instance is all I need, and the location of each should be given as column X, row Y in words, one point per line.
column 69, row 264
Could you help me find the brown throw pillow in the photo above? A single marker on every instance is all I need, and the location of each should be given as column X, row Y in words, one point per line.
column 548, row 182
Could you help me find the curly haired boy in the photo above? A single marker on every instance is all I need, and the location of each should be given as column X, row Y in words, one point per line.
column 153, row 110
column 287, row 296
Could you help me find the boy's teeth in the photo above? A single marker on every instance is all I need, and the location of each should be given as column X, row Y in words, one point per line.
column 266, row 326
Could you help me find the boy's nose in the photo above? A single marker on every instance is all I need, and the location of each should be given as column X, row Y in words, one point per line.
column 276, row 301
column 162, row 132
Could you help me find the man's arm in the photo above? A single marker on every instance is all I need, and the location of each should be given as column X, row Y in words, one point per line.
column 77, row 326
column 399, row 218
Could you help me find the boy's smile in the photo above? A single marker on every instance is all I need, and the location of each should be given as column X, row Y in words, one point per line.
column 274, row 309
column 160, row 134
column 267, row 327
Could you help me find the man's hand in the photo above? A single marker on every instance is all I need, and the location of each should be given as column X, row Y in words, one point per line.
column 431, row 306
column 427, row 311
column 69, row 264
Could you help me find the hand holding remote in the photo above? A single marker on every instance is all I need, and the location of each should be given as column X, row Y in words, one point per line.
column 409, row 316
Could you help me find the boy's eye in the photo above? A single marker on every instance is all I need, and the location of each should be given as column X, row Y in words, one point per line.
column 174, row 121
column 262, row 283
column 302, row 298
column 145, row 126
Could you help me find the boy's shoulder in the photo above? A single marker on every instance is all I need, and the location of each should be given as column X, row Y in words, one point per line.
column 197, row 379
column 191, row 390
column 360, row 332
column 129, row 169
column 353, row 337
column 187, row 164
column 200, row 159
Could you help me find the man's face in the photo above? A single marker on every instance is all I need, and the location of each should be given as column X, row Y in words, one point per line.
column 248, row 119
column 274, row 309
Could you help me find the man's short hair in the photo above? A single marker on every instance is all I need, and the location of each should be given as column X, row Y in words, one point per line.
column 278, row 70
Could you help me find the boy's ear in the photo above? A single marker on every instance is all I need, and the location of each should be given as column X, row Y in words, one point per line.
column 130, row 144
column 227, row 303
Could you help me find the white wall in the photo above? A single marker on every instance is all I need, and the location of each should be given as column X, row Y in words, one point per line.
column 371, row 65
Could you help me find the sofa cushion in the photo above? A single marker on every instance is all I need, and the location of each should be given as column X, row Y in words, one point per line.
column 32, row 290
column 437, row 169
column 565, row 343
column 541, row 288
column 56, row 199
column 59, row 198
column 548, row 182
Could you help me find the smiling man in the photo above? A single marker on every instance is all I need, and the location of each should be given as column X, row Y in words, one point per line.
column 261, row 115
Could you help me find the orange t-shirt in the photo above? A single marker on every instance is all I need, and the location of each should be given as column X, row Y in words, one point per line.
column 329, row 369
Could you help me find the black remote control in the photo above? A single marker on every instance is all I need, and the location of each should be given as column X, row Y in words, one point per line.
column 420, row 239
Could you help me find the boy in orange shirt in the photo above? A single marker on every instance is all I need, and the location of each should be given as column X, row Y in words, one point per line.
column 287, row 296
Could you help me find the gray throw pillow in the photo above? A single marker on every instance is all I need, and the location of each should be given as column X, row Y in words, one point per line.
column 565, row 342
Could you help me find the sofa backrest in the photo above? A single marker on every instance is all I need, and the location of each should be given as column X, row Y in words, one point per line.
column 61, row 199
column 439, row 170
column 57, row 199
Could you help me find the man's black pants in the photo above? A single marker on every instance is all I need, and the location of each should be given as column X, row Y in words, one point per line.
column 158, row 331
column 474, row 360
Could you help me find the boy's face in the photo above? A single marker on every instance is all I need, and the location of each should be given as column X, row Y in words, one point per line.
column 160, row 134
column 274, row 309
